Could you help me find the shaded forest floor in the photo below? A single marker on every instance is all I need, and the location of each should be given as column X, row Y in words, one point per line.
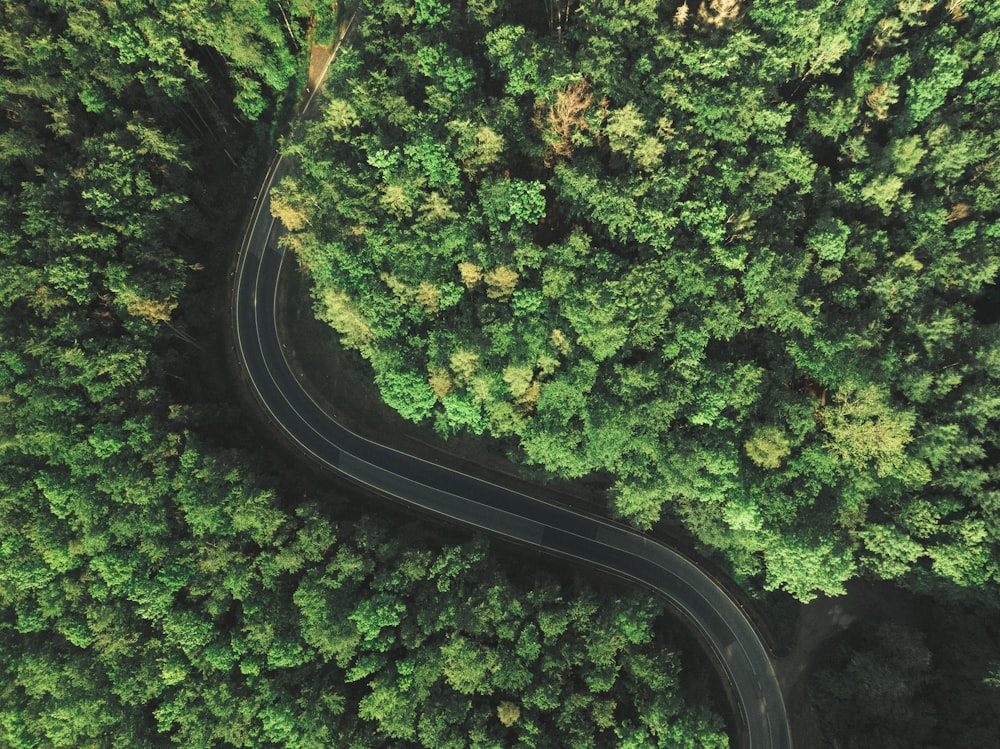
column 819, row 626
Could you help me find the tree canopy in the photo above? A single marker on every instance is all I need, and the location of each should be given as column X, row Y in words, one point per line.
column 729, row 254
column 160, row 583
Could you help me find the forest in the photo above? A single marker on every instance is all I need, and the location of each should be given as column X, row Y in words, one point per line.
column 733, row 260
column 164, row 579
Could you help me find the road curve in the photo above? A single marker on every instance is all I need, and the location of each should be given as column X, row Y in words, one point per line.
column 555, row 529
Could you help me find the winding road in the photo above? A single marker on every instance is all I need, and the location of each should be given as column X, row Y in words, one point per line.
column 554, row 529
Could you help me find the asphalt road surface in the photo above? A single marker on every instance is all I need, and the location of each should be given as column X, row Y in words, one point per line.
column 554, row 529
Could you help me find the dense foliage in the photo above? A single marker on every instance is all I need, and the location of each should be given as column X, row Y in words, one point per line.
column 874, row 689
column 153, row 589
column 926, row 679
column 729, row 254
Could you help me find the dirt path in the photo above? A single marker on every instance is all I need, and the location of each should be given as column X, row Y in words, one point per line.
column 319, row 55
